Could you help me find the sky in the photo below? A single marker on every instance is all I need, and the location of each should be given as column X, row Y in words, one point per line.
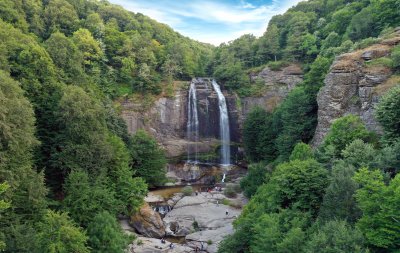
column 211, row 21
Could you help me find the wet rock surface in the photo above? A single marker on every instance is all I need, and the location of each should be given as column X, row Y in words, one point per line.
column 199, row 220
column 166, row 118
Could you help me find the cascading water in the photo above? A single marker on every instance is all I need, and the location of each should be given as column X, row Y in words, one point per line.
column 223, row 126
column 192, row 124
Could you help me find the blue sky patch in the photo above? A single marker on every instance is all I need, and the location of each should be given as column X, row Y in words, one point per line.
column 211, row 21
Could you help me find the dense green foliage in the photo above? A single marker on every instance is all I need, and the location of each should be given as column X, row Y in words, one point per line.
column 148, row 159
column 336, row 236
column 63, row 146
column 307, row 31
column 57, row 233
column 106, row 235
column 388, row 113
column 68, row 167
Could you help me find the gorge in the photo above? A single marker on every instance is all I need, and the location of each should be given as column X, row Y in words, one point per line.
column 120, row 135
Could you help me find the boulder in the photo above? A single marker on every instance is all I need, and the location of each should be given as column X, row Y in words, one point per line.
column 147, row 222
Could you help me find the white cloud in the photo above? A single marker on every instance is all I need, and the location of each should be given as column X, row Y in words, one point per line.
column 232, row 21
column 246, row 5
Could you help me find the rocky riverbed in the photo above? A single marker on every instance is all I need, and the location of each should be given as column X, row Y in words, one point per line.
column 200, row 220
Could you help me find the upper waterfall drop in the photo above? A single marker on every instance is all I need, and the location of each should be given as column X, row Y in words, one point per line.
column 192, row 127
column 223, row 126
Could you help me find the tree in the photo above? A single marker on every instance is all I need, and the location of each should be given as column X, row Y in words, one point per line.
column 380, row 207
column 362, row 25
column 26, row 190
column 301, row 152
column 105, row 234
column 60, row 15
column 82, row 137
column 297, row 184
column 66, row 57
column 85, row 197
column 148, row 159
column 3, row 206
column 269, row 44
column 344, row 131
column 271, row 236
column 339, row 202
column 170, row 68
column 256, row 176
column 58, row 234
column 295, row 121
column 336, row 236
column 360, row 154
column 89, row 47
column 388, row 113
column 258, row 136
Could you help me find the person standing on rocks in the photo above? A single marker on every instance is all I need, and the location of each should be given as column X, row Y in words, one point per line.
column 226, row 212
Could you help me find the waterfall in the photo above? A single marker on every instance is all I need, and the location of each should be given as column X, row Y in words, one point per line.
column 223, row 126
column 192, row 127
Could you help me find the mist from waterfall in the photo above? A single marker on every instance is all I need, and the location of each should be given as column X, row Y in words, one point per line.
column 223, row 126
column 192, row 124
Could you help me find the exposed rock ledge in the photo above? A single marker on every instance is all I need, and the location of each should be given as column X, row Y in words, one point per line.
column 279, row 83
column 354, row 87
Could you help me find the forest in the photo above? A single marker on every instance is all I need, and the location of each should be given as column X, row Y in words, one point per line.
column 344, row 195
column 67, row 163
column 69, row 167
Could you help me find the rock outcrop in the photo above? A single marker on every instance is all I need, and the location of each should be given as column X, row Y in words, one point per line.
column 202, row 220
column 151, row 245
column 148, row 222
column 166, row 118
column 278, row 84
column 354, row 85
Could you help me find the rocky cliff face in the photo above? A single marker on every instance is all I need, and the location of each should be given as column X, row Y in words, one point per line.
column 354, row 85
column 166, row 119
column 278, row 84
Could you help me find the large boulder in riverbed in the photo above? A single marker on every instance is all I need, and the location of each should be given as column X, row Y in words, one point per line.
column 148, row 222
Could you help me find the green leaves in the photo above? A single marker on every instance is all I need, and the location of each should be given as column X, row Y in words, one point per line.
column 381, row 209
column 344, row 131
column 105, row 234
column 336, row 236
column 148, row 159
column 388, row 113
column 58, row 234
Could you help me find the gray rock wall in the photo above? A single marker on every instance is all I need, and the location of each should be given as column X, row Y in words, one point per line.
column 354, row 86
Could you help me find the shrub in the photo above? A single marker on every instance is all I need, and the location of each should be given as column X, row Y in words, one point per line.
column 196, row 226
column 381, row 62
column 226, row 202
column 388, row 113
column 277, row 65
column 187, row 190
column 396, row 57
